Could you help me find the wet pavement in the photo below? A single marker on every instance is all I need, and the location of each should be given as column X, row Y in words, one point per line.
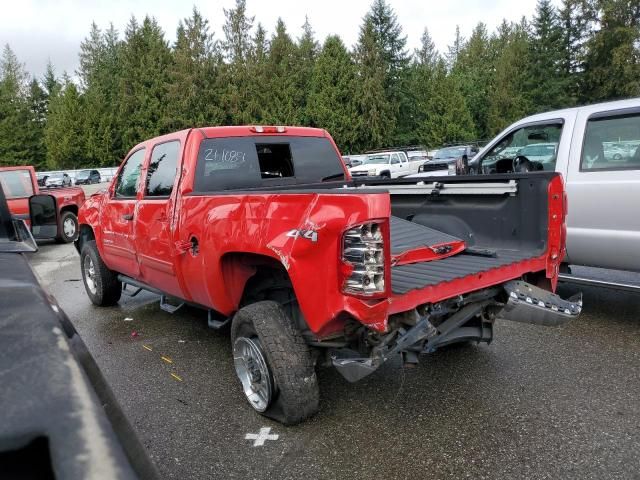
column 537, row 403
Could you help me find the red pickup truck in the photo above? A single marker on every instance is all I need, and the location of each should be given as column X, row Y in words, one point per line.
column 20, row 183
column 264, row 229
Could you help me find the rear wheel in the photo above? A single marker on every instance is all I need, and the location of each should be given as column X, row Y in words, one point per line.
column 273, row 363
column 68, row 229
column 102, row 285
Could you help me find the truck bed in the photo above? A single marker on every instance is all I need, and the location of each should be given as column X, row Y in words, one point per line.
column 407, row 235
column 501, row 227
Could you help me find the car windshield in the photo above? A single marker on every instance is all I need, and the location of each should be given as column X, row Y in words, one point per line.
column 55, row 176
column 377, row 159
column 83, row 174
column 452, row 152
column 16, row 183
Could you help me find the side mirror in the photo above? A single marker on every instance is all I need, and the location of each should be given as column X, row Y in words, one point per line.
column 43, row 212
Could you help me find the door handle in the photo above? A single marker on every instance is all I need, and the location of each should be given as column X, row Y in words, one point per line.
column 127, row 216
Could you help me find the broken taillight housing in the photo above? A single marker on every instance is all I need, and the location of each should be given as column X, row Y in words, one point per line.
column 363, row 255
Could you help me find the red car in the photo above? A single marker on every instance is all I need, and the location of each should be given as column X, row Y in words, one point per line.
column 20, row 183
column 263, row 228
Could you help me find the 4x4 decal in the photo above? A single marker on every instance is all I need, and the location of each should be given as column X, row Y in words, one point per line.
column 308, row 234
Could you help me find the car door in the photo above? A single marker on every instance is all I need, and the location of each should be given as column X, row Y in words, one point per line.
column 153, row 224
column 603, row 190
column 395, row 165
column 118, row 212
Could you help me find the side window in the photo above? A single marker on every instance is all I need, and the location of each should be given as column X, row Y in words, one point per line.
column 395, row 159
column 535, row 146
column 611, row 143
column 127, row 181
column 161, row 173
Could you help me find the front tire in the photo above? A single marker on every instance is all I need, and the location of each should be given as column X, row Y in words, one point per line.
column 102, row 285
column 68, row 229
column 274, row 364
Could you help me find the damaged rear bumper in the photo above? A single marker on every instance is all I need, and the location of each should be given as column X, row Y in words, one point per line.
column 530, row 304
column 525, row 303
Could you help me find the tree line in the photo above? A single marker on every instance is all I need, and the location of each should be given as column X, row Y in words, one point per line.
column 135, row 86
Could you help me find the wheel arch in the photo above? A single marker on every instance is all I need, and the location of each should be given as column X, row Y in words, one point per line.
column 69, row 208
column 241, row 269
column 251, row 278
column 85, row 234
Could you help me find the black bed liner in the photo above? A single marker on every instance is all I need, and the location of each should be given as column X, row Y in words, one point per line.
column 405, row 278
column 406, row 235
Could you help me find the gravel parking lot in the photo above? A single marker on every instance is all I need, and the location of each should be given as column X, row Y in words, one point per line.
column 536, row 403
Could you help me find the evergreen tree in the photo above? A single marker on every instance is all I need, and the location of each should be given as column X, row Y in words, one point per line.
column 236, row 47
column 547, row 79
column 447, row 117
column 391, row 44
column 194, row 90
column 50, row 83
column 578, row 19
column 258, row 77
column 237, row 33
column 145, row 61
column 64, row 129
column 612, row 61
column 388, row 36
column 474, row 71
column 377, row 119
column 16, row 140
column 307, row 53
column 454, row 49
column 427, row 55
column 282, row 107
column 100, row 76
column 509, row 96
column 422, row 75
column 331, row 102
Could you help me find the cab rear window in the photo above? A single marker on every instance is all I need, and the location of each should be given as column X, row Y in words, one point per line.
column 233, row 163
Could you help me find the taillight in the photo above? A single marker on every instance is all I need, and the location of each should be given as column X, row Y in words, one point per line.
column 363, row 253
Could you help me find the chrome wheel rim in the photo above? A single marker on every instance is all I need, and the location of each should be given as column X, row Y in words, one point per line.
column 69, row 227
column 89, row 274
column 252, row 370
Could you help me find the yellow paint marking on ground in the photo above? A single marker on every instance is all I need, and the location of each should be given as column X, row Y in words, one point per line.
column 166, row 359
column 147, row 347
column 176, row 377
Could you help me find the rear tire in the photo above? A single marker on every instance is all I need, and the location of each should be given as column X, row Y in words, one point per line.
column 68, row 228
column 274, row 363
column 102, row 285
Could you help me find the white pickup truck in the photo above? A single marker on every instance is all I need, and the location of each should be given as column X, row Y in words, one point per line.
column 597, row 150
column 389, row 164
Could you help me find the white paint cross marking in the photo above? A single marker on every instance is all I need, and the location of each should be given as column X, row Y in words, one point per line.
column 259, row 438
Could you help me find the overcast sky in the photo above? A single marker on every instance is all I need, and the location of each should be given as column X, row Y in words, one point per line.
column 38, row 30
